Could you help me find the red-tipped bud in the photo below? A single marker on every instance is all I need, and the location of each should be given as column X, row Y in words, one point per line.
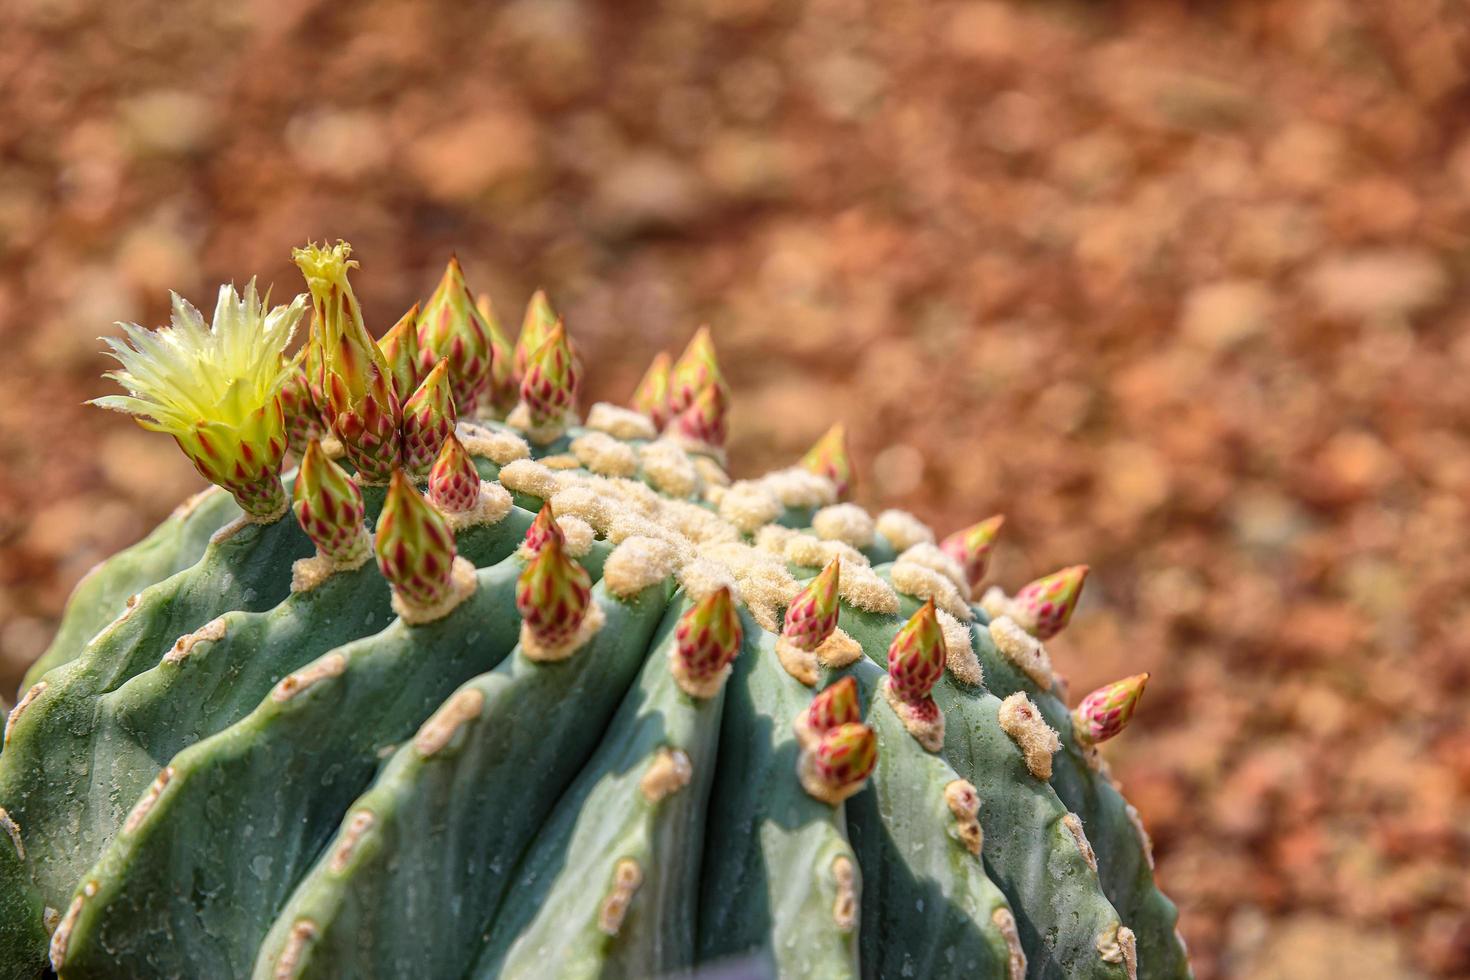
column 971, row 547
column 1045, row 606
column 704, row 419
column 543, row 527
column 695, row 369
column 329, row 506
column 452, row 328
column 651, row 397
column 846, row 755
column 1107, row 711
column 303, row 421
column 454, row 483
column 828, row 457
column 837, row 704
column 428, row 420
column 708, row 636
column 916, row 656
column 536, row 326
column 400, row 347
column 553, row 594
column 414, row 545
column 812, row 615
column 550, row 383
column 504, row 388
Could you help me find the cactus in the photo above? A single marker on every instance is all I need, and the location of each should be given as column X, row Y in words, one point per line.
column 484, row 689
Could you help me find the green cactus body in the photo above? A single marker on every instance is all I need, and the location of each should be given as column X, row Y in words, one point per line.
column 570, row 712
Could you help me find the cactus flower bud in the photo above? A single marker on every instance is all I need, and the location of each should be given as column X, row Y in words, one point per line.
column 217, row 390
column 414, row 545
column 845, row 756
column 548, row 388
column 400, row 347
column 428, row 419
column 536, row 326
column 364, row 408
column 1044, row 606
column 971, row 547
column 828, row 457
column 553, row 594
column 328, row 505
column 303, row 421
column 837, row 704
column 543, row 527
column 1107, row 711
column 916, row 657
column 695, row 369
column 503, row 388
column 704, row 420
column 451, row 327
column 812, row 615
column 454, row 483
column 651, row 397
column 707, row 638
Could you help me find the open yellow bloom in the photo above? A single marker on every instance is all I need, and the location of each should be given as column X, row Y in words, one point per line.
column 216, row 389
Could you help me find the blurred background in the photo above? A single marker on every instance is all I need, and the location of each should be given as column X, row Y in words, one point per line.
column 1178, row 287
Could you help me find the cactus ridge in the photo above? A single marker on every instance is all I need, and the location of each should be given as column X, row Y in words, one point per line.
column 596, row 710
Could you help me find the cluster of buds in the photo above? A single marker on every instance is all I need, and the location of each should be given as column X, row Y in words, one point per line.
column 329, row 507
column 428, row 420
column 1107, row 711
column 828, row 458
column 838, row 751
column 303, row 421
column 415, row 547
column 553, row 596
column 358, row 386
column 706, row 640
column 688, row 397
column 452, row 328
column 1044, row 607
column 916, row 659
column 971, row 547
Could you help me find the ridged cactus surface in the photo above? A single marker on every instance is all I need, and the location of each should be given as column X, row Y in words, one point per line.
column 481, row 689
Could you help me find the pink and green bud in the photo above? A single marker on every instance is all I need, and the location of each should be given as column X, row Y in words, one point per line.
column 704, row 420
column 1046, row 605
column 550, row 383
column 328, row 505
column 503, row 389
column 543, row 527
column 695, row 369
column 451, row 327
column 708, row 636
column 1107, row 711
column 414, row 545
column 916, row 657
column 812, row 615
column 845, row 756
column 362, row 404
column 837, row 704
column 400, row 347
column 829, row 458
column 454, row 483
column 536, row 327
column 428, row 420
column 303, row 421
column 553, row 594
column 971, row 547
column 651, row 397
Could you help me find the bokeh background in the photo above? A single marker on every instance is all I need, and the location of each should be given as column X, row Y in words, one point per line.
column 1177, row 287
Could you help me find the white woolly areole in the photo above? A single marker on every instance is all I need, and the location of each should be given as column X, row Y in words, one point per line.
column 749, row 504
column 922, row 718
column 865, row 589
column 959, row 650
column 461, row 708
column 331, row 665
column 211, row 632
column 773, row 538
column 577, row 535
column 357, row 827
column 603, row 454
column 1072, row 824
column 627, row 876
column 697, row 523
column 497, row 445
column 930, row 556
column 620, row 422
column 1021, row 720
column 762, row 580
column 669, row 772
column 1118, row 945
column 529, row 477
column 585, row 504
column 903, row 530
column 462, row 583
column 797, row 487
column 560, row 461
column 637, row 563
column 844, row 522
column 845, row 907
column 701, row 577
column 803, row 549
column 964, row 802
column 923, row 582
column 712, row 473
column 491, row 506
column 1023, row 650
column 668, row 468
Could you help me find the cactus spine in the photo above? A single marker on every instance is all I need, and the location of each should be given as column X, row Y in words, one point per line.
column 595, row 709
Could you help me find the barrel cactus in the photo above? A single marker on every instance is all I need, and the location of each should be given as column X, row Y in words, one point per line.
column 479, row 688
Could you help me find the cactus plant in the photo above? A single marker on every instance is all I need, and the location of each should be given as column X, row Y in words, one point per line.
column 594, row 709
